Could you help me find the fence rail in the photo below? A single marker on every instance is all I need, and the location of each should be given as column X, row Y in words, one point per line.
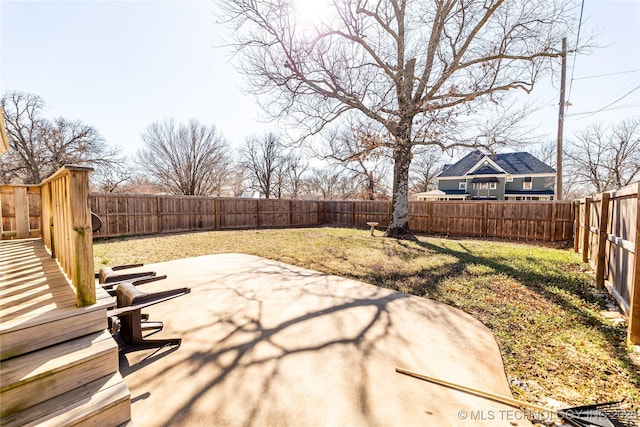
column 607, row 232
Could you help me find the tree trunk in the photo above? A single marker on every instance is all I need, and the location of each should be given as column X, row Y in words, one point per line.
column 399, row 223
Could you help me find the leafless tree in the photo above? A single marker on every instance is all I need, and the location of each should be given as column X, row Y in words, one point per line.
column 113, row 178
column 189, row 159
column 274, row 169
column 330, row 184
column 545, row 152
column 264, row 162
column 426, row 166
column 412, row 68
column 606, row 158
column 294, row 174
column 40, row 146
column 141, row 184
column 350, row 149
column 237, row 180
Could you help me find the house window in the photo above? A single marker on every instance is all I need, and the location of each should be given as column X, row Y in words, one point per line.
column 527, row 184
column 483, row 185
column 493, row 185
column 509, row 178
column 462, row 186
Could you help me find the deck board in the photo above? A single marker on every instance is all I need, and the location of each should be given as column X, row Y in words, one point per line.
column 35, row 294
column 27, row 267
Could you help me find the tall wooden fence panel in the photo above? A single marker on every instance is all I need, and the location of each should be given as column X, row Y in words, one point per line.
column 133, row 214
column 607, row 230
column 550, row 221
column 20, row 211
column 356, row 213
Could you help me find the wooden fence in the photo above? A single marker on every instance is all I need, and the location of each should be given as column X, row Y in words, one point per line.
column 608, row 227
column 540, row 220
column 127, row 215
column 19, row 211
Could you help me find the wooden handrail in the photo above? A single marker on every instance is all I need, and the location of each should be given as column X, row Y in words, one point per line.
column 66, row 227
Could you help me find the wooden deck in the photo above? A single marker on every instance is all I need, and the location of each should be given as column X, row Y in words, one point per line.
column 35, row 293
column 59, row 365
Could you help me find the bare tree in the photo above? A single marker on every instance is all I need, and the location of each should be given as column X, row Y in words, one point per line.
column 294, row 173
column 425, row 167
column 412, row 68
column 190, row 159
column 351, row 149
column 41, row 146
column 545, row 152
column 606, row 158
column 330, row 184
column 237, row 180
column 264, row 161
column 274, row 170
column 113, row 178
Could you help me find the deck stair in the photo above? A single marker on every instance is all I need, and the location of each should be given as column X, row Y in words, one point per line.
column 59, row 366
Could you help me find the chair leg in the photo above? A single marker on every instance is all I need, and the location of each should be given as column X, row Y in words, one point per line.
column 131, row 327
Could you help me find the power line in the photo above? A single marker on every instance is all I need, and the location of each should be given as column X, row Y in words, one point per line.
column 612, row 103
column 606, row 75
column 575, row 51
column 622, row 107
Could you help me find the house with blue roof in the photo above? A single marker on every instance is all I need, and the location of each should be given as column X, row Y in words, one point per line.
column 509, row 176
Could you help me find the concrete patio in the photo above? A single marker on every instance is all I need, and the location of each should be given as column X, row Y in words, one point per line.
column 265, row 343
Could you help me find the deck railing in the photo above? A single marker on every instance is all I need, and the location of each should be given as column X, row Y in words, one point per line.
column 66, row 227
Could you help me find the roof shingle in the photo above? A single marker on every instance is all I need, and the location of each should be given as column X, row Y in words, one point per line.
column 521, row 163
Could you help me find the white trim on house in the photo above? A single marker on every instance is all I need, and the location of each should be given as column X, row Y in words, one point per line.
column 482, row 162
column 534, row 175
column 514, row 196
column 437, row 195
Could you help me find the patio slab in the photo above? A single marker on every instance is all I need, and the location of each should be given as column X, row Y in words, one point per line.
column 270, row 344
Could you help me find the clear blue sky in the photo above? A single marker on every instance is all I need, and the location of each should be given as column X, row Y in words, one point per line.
column 121, row 65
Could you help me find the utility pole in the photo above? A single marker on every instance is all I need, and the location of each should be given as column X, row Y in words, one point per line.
column 563, row 77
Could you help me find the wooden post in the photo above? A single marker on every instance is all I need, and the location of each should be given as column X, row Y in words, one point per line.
column 216, row 217
column 257, row 213
column 389, row 207
column 21, row 203
column 587, row 229
column 353, row 213
column 576, row 226
column 563, row 79
column 485, row 219
column 159, row 213
column 602, row 239
column 290, row 213
column 82, row 277
column 46, row 213
column 633, row 331
column 554, row 209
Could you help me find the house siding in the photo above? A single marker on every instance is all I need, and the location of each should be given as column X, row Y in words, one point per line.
column 450, row 184
column 537, row 183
